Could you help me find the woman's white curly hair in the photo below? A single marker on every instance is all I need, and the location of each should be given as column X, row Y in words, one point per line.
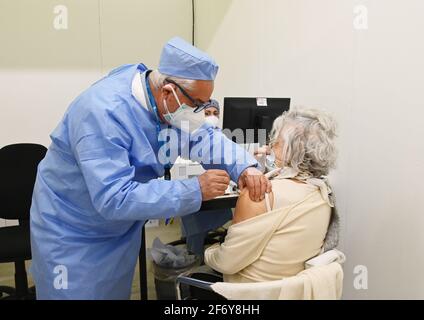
column 307, row 139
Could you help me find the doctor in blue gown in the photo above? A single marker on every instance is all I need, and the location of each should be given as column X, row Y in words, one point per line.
column 100, row 180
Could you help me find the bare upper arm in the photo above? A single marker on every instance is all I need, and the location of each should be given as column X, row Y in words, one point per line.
column 246, row 208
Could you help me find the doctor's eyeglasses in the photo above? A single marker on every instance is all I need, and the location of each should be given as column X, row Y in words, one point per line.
column 199, row 106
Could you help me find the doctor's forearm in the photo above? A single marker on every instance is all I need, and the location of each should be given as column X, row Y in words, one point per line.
column 153, row 200
column 224, row 154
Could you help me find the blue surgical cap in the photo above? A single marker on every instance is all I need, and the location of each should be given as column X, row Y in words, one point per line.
column 212, row 104
column 180, row 59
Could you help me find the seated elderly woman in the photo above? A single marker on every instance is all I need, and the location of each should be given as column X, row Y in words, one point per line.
column 272, row 239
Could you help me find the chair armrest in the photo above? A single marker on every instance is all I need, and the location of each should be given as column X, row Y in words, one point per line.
column 326, row 258
column 205, row 285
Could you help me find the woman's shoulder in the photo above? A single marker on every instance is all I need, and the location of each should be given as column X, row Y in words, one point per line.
column 292, row 186
column 285, row 192
column 288, row 191
column 246, row 208
column 290, row 182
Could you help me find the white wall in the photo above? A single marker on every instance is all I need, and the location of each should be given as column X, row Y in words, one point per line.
column 43, row 69
column 372, row 81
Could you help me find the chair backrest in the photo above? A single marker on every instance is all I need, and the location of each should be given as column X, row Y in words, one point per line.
column 18, row 170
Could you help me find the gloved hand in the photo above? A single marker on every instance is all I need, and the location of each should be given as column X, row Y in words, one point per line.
column 260, row 155
column 256, row 182
column 213, row 183
column 262, row 151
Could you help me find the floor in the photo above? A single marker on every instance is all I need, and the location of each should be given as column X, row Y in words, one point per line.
column 165, row 233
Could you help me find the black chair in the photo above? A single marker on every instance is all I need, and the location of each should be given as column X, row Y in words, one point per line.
column 197, row 285
column 18, row 169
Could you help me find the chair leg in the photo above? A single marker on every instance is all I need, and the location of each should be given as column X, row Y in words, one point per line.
column 21, row 280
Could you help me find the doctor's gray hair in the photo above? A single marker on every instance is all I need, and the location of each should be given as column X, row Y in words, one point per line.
column 307, row 139
column 158, row 80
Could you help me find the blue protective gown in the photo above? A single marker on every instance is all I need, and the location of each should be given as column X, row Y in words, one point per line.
column 96, row 187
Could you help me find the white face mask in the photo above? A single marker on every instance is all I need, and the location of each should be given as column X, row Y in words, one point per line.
column 184, row 118
column 270, row 162
column 212, row 120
